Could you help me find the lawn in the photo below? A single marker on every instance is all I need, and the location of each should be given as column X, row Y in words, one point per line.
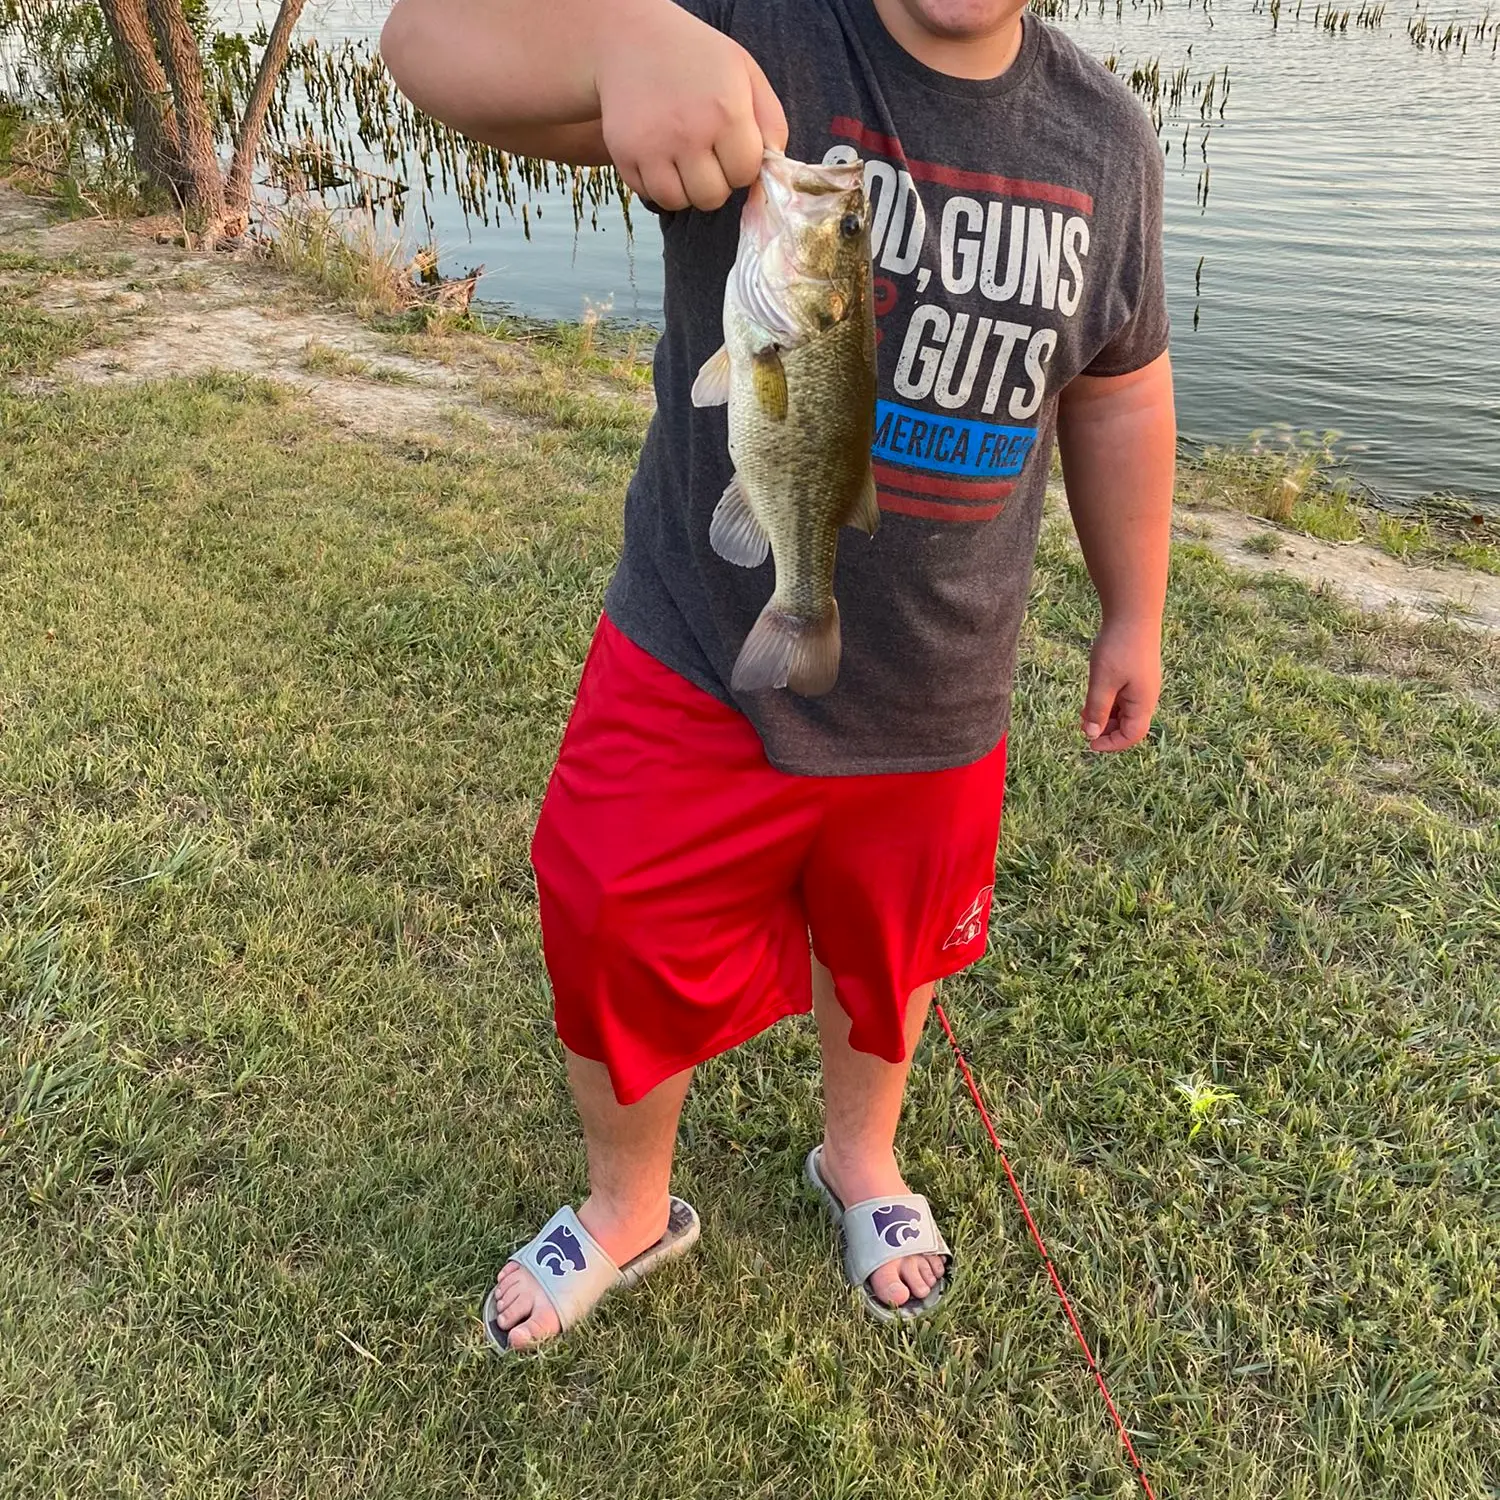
column 279, row 1091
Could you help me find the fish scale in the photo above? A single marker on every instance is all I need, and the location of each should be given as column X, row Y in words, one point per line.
column 783, row 464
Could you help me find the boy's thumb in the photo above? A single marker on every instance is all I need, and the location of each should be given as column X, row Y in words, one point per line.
column 1096, row 706
column 769, row 114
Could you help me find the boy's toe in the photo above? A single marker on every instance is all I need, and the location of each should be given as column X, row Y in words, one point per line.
column 521, row 1311
column 915, row 1274
column 887, row 1285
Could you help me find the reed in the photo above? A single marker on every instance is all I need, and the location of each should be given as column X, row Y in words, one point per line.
column 1435, row 36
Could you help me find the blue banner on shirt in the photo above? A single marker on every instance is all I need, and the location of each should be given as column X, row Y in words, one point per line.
column 949, row 445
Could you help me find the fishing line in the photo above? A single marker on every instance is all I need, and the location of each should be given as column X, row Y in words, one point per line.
column 1036, row 1235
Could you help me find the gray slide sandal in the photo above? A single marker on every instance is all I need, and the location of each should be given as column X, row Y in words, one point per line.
column 574, row 1272
column 878, row 1231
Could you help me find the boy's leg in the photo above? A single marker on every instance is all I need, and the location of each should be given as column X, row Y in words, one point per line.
column 630, row 1166
column 667, row 856
column 897, row 891
column 862, row 1097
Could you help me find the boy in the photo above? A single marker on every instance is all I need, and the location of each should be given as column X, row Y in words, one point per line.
column 693, row 843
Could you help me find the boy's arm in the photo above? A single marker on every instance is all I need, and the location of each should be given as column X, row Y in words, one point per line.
column 1118, row 439
column 683, row 111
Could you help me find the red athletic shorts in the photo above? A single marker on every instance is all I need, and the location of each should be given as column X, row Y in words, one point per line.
column 680, row 876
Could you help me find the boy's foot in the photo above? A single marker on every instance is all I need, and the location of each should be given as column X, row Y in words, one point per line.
column 899, row 1281
column 523, row 1309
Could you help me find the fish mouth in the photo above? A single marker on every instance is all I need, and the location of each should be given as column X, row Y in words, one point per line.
column 833, row 177
column 762, row 216
column 768, row 263
column 780, row 182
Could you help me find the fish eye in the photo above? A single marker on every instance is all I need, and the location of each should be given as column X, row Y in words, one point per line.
column 849, row 226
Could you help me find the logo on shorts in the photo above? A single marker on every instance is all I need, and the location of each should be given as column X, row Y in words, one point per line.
column 560, row 1250
column 896, row 1224
column 971, row 925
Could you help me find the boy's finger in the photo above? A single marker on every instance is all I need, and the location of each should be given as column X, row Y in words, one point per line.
column 703, row 181
column 1128, row 729
column 739, row 152
column 663, row 186
column 631, row 172
column 769, row 114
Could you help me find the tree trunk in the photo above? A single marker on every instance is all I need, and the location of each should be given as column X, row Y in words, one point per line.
column 158, row 151
column 253, row 123
column 203, row 181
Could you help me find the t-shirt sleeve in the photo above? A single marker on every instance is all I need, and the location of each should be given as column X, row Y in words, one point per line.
column 716, row 12
column 1142, row 336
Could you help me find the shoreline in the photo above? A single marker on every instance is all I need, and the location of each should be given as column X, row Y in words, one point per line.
column 117, row 304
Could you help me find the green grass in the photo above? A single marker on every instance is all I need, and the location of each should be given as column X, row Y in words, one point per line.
column 32, row 339
column 351, row 264
column 1295, row 483
column 43, row 267
column 1328, row 515
column 279, row 1091
column 1402, row 538
column 1484, row 556
column 319, row 358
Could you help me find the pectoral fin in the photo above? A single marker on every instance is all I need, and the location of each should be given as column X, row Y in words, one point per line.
column 866, row 512
column 769, row 378
column 711, row 388
column 735, row 533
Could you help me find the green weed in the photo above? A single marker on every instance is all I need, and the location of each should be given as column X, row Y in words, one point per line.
column 1293, row 478
column 1205, row 1102
column 319, row 358
column 349, row 263
column 1402, row 538
column 1329, row 515
column 1484, row 556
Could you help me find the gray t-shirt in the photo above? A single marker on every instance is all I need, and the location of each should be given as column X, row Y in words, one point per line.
column 1016, row 234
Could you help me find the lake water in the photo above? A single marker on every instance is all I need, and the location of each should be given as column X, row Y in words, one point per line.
column 1349, row 244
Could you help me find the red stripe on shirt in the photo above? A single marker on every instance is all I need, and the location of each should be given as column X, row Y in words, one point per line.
column 957, row 177
column 933, row 510
column 952, row 489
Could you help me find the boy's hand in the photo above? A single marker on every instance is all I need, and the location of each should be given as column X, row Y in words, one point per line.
column 1124, row 686
column 683, row 112
column 686, row 111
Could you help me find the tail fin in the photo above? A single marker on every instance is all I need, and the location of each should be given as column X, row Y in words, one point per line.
column 789, row 651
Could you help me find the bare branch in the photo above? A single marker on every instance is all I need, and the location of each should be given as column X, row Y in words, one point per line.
column 252, row 124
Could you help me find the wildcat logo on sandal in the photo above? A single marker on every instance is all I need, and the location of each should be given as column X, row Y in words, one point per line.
column 972, row 924
column 561, row 1250
column 896, row 1224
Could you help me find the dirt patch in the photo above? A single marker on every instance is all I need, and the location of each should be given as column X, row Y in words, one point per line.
column 1366, row 576
column 204, row 333
column 169, row 311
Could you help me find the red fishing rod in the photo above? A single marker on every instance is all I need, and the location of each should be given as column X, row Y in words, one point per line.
column 1036, row 1235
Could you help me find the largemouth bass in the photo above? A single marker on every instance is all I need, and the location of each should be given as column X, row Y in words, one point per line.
column 797, row 370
